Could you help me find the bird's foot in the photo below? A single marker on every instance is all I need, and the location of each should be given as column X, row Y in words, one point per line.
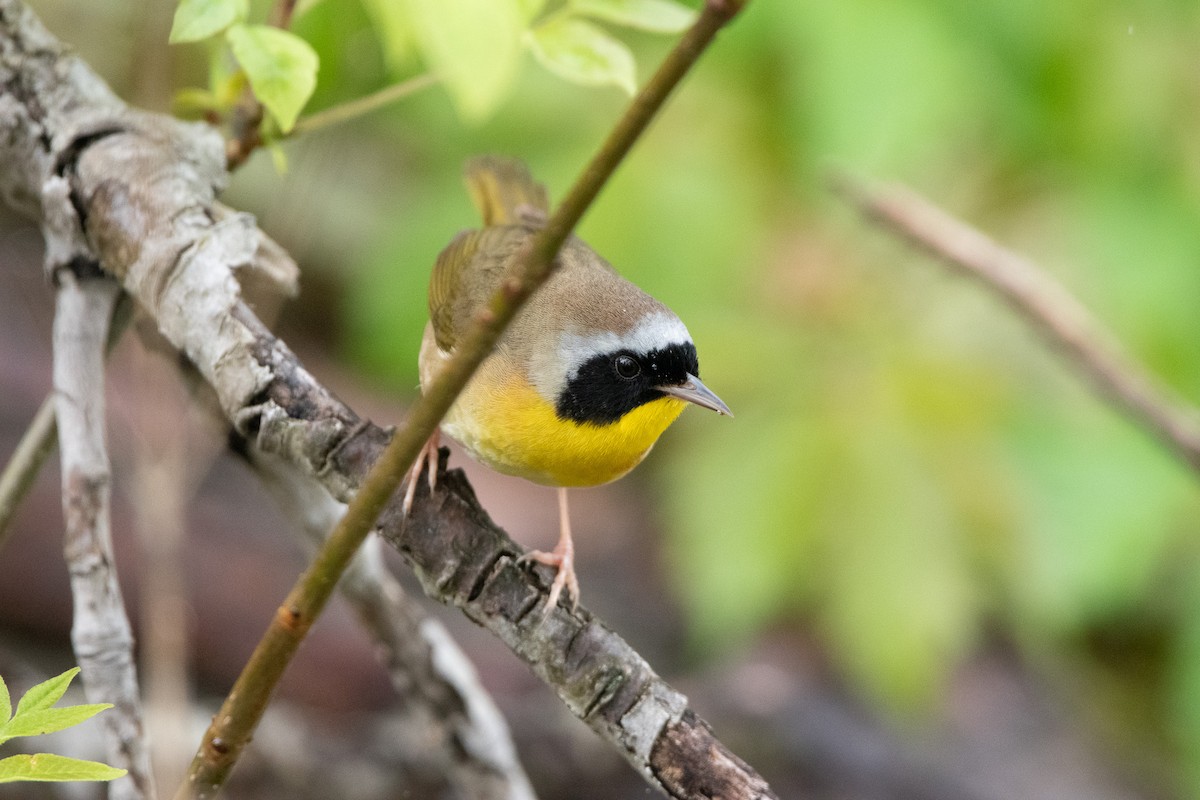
column 428, row 456
column 562, row 558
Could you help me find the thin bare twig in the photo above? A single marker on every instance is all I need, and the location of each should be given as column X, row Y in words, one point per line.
column 1042, row 302
column 281, row 13
column 353, row 109
column 101, row 632
column 40, row 438
column 36, row 445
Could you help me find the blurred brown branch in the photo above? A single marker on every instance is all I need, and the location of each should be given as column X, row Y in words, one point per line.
column 1042, row 302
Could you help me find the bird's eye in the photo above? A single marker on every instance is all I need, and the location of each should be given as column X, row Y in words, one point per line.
column 626, row 367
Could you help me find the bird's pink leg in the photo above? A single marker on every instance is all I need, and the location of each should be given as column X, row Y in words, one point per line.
column 562, row 557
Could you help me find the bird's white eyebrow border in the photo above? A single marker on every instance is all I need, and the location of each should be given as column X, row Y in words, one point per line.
column 653, row 332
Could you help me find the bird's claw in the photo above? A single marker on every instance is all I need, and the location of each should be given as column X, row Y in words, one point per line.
column 427, row 456
column 563, row 560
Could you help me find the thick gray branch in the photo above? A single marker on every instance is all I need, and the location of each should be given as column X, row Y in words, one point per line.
column 145, row 188
column 451, row 731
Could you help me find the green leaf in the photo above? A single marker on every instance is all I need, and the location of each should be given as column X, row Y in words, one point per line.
column 49, row 767
column 199, row 19
column 5, row 703
column 473, row 45
column 46, row 693
column 582, row 53
column 281, row 68
column 49, row 720
column 193, row 101
column 530, row 8
column 656, row 16
column 393, row 21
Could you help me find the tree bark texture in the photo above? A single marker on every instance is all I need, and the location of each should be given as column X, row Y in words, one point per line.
column 452, row 734
column 101, row 634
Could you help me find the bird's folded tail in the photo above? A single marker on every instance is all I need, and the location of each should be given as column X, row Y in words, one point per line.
column 504, row 191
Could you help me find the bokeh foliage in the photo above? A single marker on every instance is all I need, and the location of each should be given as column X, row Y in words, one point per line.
column 910, row 472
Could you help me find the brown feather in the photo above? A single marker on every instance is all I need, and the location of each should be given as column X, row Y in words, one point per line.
column 504, row 191
column 584, row 294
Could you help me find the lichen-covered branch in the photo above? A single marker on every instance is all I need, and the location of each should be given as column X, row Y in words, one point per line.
column 451, row 732
column 144, row 187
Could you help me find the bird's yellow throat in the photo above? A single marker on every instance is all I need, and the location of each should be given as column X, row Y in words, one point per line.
column 509, row 427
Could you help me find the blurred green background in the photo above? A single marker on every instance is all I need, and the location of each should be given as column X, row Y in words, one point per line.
column 910, row 472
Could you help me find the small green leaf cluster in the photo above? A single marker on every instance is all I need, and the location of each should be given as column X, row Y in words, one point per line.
column 36, row 715
column 475, row 46
column 567, row 44
column 280, row 67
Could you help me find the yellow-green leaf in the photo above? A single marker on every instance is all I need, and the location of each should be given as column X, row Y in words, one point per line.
column 49, row 720
column 193, row 101
column 199, row 19
column 656, row 16
column 281, row 68
column 49, row 767
column 583, row 53
column 46, row 693
column 393, row 22
column 530, row 8
column 473, row 45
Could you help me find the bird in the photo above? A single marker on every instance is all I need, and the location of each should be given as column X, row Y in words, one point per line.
column 584, row 380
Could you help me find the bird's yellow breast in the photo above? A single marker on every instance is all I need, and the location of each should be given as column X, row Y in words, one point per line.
column 507, row 425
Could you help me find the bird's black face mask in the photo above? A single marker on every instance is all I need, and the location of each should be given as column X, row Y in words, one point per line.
column 608, row 386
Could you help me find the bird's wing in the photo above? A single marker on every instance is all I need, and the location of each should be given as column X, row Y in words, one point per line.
column 513, row 205
column 446, row 287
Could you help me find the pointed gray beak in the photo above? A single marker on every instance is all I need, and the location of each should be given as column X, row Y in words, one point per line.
column 696, row 392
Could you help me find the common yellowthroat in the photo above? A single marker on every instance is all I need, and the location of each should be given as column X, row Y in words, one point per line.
column 588, row 375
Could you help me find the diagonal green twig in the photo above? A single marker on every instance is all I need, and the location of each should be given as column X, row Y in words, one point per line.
column 234, row 724
column 36, row 445
column 41, row 437
column 358, row 107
